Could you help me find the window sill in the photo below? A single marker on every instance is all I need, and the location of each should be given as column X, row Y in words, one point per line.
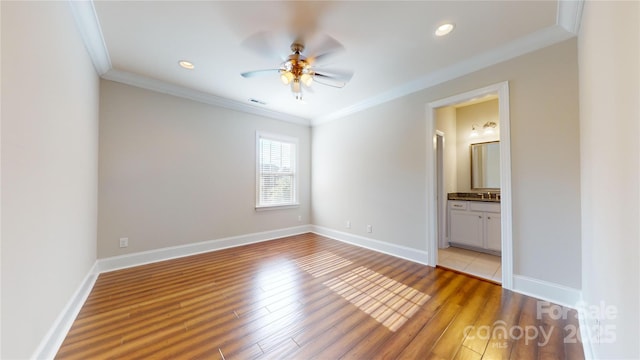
column 277, row 207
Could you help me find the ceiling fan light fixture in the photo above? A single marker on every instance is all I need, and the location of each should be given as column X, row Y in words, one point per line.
column 306, row 79
column 296, row 89
column 444, row 29
column 295, row 86
column 298, row 71
column 286, row 77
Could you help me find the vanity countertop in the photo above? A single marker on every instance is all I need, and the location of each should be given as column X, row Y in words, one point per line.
column 479, row 196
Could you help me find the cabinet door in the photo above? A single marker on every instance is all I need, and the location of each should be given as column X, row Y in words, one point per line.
column 466, row 228
column 494, row 233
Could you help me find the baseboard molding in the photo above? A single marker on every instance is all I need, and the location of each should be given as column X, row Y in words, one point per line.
column 55, row 336
column 52, row 341
column 561, row 295
column 555, row 293
column 586, row 330
column 50, row 344
column 400, row 251
column 147, row 257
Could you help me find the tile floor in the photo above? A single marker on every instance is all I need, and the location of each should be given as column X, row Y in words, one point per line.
column 471, row 262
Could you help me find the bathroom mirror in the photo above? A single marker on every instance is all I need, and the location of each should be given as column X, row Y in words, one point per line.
column 485, row 166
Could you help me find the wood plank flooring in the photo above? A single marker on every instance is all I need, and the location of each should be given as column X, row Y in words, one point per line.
column 309, row 297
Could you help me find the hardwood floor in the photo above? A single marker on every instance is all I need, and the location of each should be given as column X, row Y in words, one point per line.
column 306, row 297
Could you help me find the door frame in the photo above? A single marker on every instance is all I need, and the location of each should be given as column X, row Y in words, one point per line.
column 441, row 199
column 502, row 90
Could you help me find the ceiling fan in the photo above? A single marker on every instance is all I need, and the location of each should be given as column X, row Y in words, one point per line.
column 298, row 70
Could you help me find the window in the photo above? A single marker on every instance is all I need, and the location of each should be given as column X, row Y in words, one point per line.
column 277, row 180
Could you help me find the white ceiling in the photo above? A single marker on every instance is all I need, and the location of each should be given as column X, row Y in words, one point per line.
column 390, row 46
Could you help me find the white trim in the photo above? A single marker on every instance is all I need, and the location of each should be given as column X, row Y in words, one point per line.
column 403, row 252
column 586, row 328
column 569, row 15
column 168, row 253
column 84, row 14
column 535, row 41
column 506, row 224
column 53, row 339
column 199, row 96
column 502, row 89
column 556, row 293
column 296, row 182
column 441, row 234
column 51, row 342
column 277, row 207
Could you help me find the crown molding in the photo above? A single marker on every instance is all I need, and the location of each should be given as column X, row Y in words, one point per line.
column 568, row 18
column 84, row 14
column 535, row 41
column 570, row 15
column 87, row 22
column 144, row 82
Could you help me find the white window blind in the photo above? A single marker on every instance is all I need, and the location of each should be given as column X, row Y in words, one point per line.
column 276, row 171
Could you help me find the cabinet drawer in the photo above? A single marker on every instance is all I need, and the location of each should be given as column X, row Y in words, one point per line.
column 484, row 206
column 458, row 205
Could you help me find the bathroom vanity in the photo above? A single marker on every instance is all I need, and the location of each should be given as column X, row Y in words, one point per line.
column 474, row 221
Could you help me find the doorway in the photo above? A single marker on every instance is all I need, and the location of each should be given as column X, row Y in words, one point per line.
column 436, row 195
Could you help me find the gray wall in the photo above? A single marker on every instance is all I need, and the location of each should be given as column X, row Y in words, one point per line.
column 610, row 159
column 49, row 169
column 175, row 171
column 370, row 167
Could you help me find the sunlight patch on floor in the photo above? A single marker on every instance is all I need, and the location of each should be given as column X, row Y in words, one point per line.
column 389, row 302
column 321, row 263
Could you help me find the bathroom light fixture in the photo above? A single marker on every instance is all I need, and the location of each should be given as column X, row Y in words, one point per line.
column 488, row 127
column 474, row 130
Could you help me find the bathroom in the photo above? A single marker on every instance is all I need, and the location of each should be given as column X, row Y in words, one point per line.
column 468, row 161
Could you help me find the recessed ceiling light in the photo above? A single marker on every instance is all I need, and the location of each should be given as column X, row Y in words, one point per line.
column 444, row 29
column 186, row 64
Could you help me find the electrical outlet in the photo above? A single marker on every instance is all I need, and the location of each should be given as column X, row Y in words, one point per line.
column 347, row 224
column 124, row 242
column 299, row 217
column 369, row 228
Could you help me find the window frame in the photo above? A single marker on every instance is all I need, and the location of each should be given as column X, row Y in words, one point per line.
column 295, row 145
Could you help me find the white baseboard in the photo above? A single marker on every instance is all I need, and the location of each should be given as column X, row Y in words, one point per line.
column 555, row 293
column 50, row 344
column 586, row 330
column 400, row 251
column 561, row 295
column 151, row 256
column 58, row 331
column 52, row 341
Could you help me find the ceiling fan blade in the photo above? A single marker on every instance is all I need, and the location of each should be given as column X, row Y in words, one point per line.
column 327, row 47
column 338, row 74
column 263, row 44
column 253, row 73
column 328, row 80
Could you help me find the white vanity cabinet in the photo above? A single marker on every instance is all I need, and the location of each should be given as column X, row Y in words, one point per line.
column 475, row 224
column 493, row 231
